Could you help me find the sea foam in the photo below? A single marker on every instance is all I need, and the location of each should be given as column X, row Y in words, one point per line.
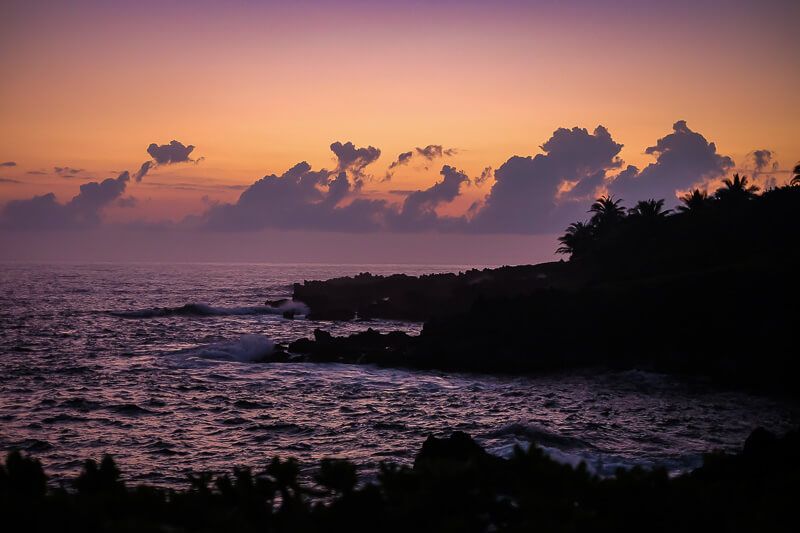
column 247, row 349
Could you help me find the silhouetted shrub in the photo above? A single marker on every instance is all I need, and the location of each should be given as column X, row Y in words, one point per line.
column 454, row 485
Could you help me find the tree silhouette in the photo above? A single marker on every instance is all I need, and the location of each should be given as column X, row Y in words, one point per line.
column 694, row 201
column 736, row 188
column 649, row 210
column 577, row 238
column 796, row 172
column 606, row 211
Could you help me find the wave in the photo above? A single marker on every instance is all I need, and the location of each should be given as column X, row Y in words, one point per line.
column 201, row 309
column 247, row 349
column 537, row 434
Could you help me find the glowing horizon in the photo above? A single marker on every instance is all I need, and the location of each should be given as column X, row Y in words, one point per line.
column 258, row 88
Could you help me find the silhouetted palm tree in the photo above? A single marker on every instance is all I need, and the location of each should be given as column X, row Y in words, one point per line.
column 796, row 178
column 577, row 239
column 605, row 210
column 737, row 188
column 694, row 201
column 649, row 210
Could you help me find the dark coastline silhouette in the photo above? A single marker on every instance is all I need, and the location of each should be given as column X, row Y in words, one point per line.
column 709, row 289
column 453, row 485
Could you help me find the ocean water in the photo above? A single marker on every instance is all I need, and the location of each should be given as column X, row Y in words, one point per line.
column 153, row 363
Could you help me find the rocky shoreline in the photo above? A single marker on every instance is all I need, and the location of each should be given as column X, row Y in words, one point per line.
column 709, row 291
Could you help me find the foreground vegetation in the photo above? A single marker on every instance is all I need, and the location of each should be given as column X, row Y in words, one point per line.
column 454, row 485
column 709, row 290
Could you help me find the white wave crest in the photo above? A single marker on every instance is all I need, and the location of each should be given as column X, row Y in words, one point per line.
column 246, row 349
column 201, row 309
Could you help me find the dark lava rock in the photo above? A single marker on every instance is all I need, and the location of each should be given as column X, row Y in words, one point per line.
column 277, row 303
column 366, row 347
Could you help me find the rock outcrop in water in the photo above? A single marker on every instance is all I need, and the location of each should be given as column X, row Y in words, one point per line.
column 420, row 298
column 366, row 347
column 711, row 291
column 454, row 485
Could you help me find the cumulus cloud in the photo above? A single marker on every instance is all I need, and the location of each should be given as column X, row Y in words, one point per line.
column 165, row 154
column 354, row 160
column 83, row 210
column 486, row 174
column 303, row 198
column 300, row 198
column 8, row 164
column 430, row 152
column 764, row 168
column 174, row 152
column 524, row 196
column 762, row 161
column 402, row 159
column 419, row 207
column 540, row 193
column 143, row 170
column 684, row 159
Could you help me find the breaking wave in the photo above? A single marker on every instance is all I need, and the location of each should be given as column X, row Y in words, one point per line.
column 537, row 434
column 247, row 349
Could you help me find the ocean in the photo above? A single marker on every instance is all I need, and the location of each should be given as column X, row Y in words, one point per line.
column 154, row 364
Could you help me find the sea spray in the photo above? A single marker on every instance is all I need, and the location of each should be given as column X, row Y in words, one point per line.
column 246, row 349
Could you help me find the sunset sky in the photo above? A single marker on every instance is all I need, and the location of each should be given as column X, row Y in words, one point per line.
column 693, row 91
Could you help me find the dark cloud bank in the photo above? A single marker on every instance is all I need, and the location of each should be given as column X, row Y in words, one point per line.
column 529, row 195
column 534, row 194
column 45, row 212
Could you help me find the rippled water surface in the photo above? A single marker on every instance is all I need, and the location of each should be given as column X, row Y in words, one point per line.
column 152, row 364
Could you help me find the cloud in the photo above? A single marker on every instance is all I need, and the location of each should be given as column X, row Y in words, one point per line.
column 165, row 154
column 402, row 159
column 524, row 196
column 432, row 151
column 300, row 198
column 128, row 201
column 684, row 159
column 67, row 172
column 763, row 168
column 84, row 210
column 762, row 160
column 37, row 172
column 144, row 169
column 174, row 152
column 194, row 186
column 9, row 180
column 419, row 207
column 486, row 174
column 354, row 160
column 8, row 164
column 535, row 194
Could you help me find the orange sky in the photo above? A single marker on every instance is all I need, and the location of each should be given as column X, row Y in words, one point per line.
column 258, row 87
